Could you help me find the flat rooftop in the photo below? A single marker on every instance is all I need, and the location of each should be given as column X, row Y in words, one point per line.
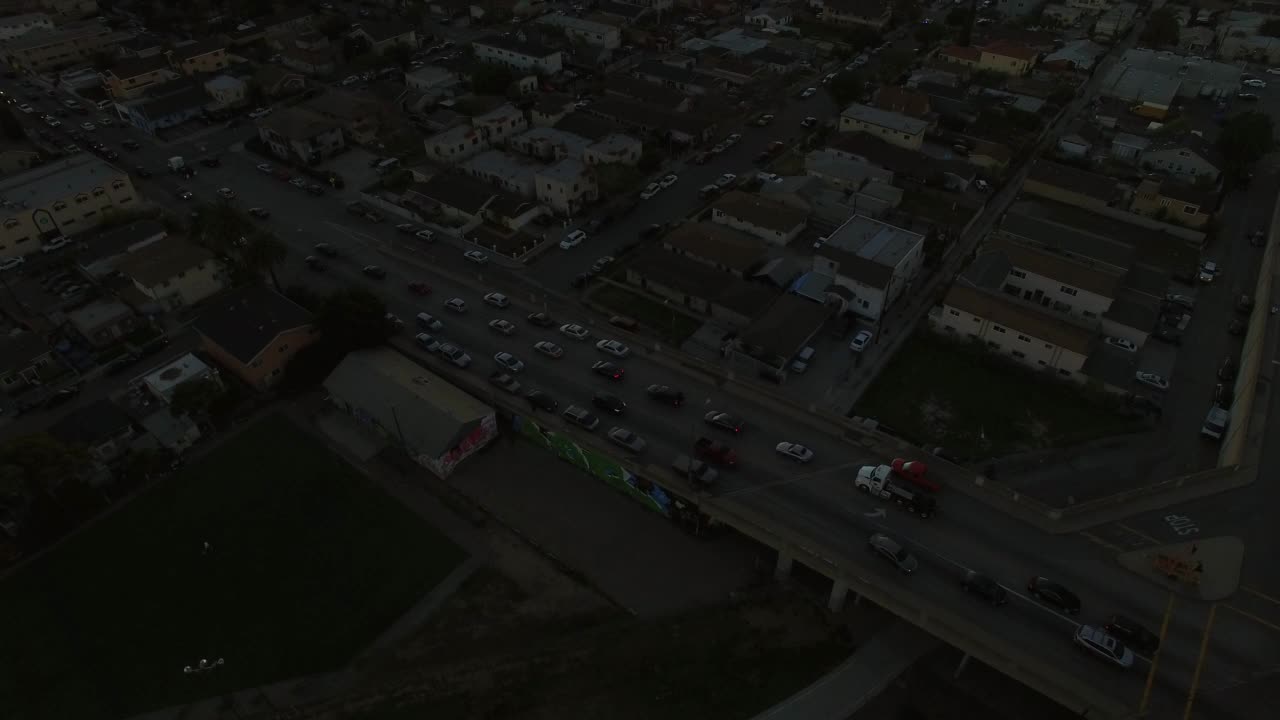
column 870, row 239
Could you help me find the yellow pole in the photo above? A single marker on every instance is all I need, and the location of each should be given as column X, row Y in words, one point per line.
column 1204, row 650
column 1155, row 657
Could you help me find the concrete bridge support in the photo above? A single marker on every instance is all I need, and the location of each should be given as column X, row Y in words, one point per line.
column 783, row 569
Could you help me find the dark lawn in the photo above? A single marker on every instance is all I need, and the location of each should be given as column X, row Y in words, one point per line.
column 309, row 562
column 672, row 325
column 939, row 392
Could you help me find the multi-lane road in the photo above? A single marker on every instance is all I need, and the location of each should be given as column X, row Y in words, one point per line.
column 818, row 498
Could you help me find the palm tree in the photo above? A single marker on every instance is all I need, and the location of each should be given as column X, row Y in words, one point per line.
column 221, row 226
column 263, row 251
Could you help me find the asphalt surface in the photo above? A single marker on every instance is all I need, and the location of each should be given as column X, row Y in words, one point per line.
column 818, row 498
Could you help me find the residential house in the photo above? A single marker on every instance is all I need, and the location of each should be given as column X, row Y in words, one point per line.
column 770, row 220
column 1008, row 58
column 430, row 79
column 314, row 63
column 277, row 82
column 614, row 149
column 26, row 359
column 676, row 73
column 227, row 91
column 132, row 77
column 517, row 54
column 205, row 56
column 892, row 127
column 653, row 94
column 103, row 322
column 717, row 246
column 500, row 123
column 64, row 46
column 1174, row 202
column 295, row 134
column 1036, row 275
column 173, row 272
column 1018, row 8
column 384, row 36
column 166, row 105
column 1072, row 186
column 566, row 187
column 1074, row 146
column 1187, row 157
column 254, row 332
column 17, row 157
column 358, row 116
column 874, row 14
column 844, row 172
column 64, row 197
column 698, row 287
column 1129, row 147
column 1026, row 334
column 456, row 144
column 100, row 427
column 584, row 30
column 18, row 25
column 991, row 156
column 99, row 259
column 1115, row 23
column 513, row 174
column 451, row 195
column 768, row 17
column 872, row 262
column 141, row 45
column 904, row 163
column 903, row 101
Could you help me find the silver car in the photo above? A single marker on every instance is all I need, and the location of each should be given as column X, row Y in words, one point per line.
column 627, row 439
column 892, row 550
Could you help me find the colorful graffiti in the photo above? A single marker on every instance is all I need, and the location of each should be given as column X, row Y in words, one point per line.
column 596, row 463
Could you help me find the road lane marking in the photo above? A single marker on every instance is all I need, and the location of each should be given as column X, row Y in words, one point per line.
column 1252, row 617
column 1095, row 539
column 1260, row 594
column 1139, row 533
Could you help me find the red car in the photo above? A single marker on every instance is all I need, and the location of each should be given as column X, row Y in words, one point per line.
column 417, row 287
column 715, row 452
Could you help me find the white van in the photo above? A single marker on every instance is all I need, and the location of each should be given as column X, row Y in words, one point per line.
column 1215, row 424
column 387, row 166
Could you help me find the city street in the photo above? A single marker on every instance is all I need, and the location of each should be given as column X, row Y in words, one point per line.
column 818, row 498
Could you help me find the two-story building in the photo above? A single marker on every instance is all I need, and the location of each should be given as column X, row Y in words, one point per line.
column 769, row 220
column 1052, row 281
column 513, row 52
column 1187, row 157
column 874, row 14
column 874, row 262
column 384, row 36
column 166, row 105
column 584, row 30
column 500, row 123
column 132, row 77
column 173, row 272
column 227, row 91
column 1007, row 57
column 768, row 17
column 63, row 46
column 358, row 116
column 295, row 134
column 566, row 187
column 894, row 128
column 254, row 332
column 60, row 198
column 1174, row 202
column 455, row 144
column 614, row 148
column 503, row 170
column 1023, row 333
column 1071, row 185
column 204, row 56
column 14, row 26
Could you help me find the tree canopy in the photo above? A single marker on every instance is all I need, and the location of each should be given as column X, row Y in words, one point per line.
column 847, row 87
column 1161, row 29
column 1245, row 138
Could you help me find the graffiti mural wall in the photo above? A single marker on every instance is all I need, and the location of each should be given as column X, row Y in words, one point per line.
column 596, row 463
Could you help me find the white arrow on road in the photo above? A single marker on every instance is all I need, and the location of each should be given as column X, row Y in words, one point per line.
column 878, row 512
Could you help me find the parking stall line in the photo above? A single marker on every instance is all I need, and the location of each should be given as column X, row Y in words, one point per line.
column 1260, row 594
column 1264, row 623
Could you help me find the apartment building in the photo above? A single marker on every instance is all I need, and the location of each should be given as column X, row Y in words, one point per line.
column 62, row 198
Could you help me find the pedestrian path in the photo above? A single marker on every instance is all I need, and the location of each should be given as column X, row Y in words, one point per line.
column 844, row 690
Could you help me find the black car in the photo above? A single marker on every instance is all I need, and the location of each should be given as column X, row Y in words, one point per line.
column 984, row 587
column 666, row 395
column 607, row 369
column 724, row 421
column 315, row 189
column 539, row 400
column 326, row 249
column 541, row 319
column 111, row 155
column 211, row 162
column 120, row 364
column 1132, row 634
column 183, row 193
column 1052, row 593
column 652, row 231
column 130, row 144
column 1171, row 335
column 64, row 395
column 314, row 263
column 609, row 402
column 261, row 213
column 580, row 280
column 374, row 271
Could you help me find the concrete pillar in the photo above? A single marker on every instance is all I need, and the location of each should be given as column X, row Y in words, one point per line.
column 839, row 590
column 964, row 662
column 783, row 570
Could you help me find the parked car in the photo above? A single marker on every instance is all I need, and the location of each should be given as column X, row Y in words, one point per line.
column 1122, row 344
column 502, row 327
column 577, row 332
column 891, row 550
column 627, row 439
column 457, row 305
column 476, row 257
column 715, row 452
column 573, row 240
column 497, row 300
column 860, row 341
column 608, row 369
column 1149, row 378
column 420, row 288
column 614, row 348
column 1054, row 594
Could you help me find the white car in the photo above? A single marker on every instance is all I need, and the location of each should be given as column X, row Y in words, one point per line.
column 769, row 177
column 405, row 228
column 55, row 245
column 265, row 167
column 1152, row 379
column 1255, row 83
column 795, row 451
column 614, row 348
column 650, row 190
column 828, row 78
column 572, row 240
column 497, row 300
column 1097, row 641
column 509, row 362
column 26, row 108
column 425, row 235
column 227, row 193
column 668, row 181
column 299, row 182
column 1273, row 71
column 860, row 341
column 809, row 92
column 809, row 122
column 12, row 262
column 427, row 342
column 1208, row 271
column 260, row 113
column 455, row 355
column 53, row 122
column 548, row 348
column 457, row 305
column 577, row 332
column 476, row 257
column 733, row 139
column 88, row 126
column 503, row 327
column 719, row 148
column 726, row 180
column 1122, row 344
column 627, row 439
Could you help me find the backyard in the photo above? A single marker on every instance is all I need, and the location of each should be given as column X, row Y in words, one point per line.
column 270, row 552
column 940, row 392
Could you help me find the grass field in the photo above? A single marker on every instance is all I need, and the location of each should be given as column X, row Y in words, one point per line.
column 938, row 391
column 308, row 563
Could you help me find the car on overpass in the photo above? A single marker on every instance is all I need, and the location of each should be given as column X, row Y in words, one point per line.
column 1052, row 593
column 891, row 550
column 1096, row 640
